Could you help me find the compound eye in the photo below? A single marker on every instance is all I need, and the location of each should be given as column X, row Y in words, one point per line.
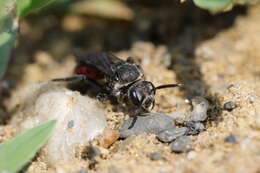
column 135, row 97
column 150, row 87
column 148, row 103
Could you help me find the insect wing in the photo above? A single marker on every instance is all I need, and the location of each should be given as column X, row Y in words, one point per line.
column 113, row 59
column 97, row 60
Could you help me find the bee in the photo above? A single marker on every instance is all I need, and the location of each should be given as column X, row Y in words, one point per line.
column 122, row 80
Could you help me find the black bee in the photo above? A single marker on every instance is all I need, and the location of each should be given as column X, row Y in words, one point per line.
column 119, row 79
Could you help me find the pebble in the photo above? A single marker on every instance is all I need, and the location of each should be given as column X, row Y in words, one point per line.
column 229, row 106
column 181, row 144
column 148, row 122
column 155, row 156
column 80, row 119
column 231, row 139
column 200, row 107
column 194, row 127
column 169, row 135
column 83, row 170
column 70, row 124
column 108, row 137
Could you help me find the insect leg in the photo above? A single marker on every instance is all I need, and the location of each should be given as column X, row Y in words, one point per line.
column 133, row 122
column 75, row 78
column 78, row 78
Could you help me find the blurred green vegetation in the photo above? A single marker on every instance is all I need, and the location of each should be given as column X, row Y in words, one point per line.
column 216, row 6
column 8, row 31
column 10, row 12
column 24, row 7
column 16, row 152
column 13, row 10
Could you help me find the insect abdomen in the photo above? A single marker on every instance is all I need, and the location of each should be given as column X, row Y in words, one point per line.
column 89, row 72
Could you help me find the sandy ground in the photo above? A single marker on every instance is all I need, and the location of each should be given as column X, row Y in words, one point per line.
column 224, row 67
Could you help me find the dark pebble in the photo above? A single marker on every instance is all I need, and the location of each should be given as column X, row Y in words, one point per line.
column 70, row 124
column 169, row 135
column 83, row 171
column 194, row 127
column 148, row 122
column 229, row 106
column 181, row 144
column 231, row 139
column 155, row 156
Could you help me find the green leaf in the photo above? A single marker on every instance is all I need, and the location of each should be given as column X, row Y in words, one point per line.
column 111, row 9
column 24, row 7
column 10, row 10
column 7, row 14
column 8, row 32
column 16, row 152
column 7, row 40
column 214, row 5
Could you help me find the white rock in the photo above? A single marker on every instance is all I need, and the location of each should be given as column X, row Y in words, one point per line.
column 79, row 118
column 200, row 108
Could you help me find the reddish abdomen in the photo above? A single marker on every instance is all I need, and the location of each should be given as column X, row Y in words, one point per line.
column 89, row 72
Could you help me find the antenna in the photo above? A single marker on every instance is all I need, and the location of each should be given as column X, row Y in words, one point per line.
column 168, row 86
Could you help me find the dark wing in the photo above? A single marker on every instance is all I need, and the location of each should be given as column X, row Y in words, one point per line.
column 113, row 59
column 103, row 62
